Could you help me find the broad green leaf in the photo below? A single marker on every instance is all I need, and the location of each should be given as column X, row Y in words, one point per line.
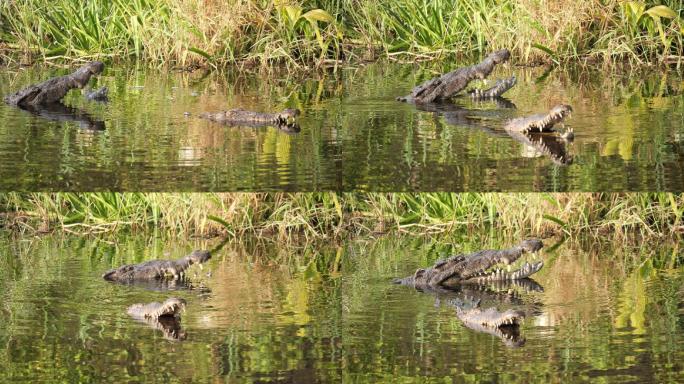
column 293, row 12
column 555, row 220
column 201, row 53
column 662, row 11
column 318, row 15
column 636, row 8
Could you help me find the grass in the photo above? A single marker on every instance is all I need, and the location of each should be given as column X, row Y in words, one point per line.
column 306, row 32
column 333, row 215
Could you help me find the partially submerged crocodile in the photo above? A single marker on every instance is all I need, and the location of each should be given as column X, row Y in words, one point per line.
column 101, row 94
column 285, row 119
column 53, row 90
column 495, row 308
column 539, row 122
column 478, row 307
column 479, row 267
column 162, row 316
column 157, row 269
column 524, row 130
column 449, row 84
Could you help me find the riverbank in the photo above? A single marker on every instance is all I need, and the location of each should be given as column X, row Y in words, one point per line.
column 189, row 33
column 339, row 215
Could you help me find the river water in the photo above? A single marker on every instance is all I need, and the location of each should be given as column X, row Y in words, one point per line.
column 629, row 133
column 268, row 312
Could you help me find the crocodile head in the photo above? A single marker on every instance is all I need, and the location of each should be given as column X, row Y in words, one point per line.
column 172, row 307
column 506, row 266
column 198, row 257
column 556, row 115
column 83, row 74
column 505, row 325
column 287, row 116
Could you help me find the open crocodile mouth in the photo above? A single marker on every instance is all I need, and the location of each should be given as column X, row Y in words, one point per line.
column 288, row 117
column 504, row 325
column 521, row 268
column 556, row 115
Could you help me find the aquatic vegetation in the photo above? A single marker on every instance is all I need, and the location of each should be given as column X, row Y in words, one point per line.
column 331, row 215
column 304, row 32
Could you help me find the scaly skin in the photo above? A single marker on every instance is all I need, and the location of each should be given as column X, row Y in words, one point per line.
column 171, row 307
column 241, row 116
column 53, row 90
column 475, row 268
column 552, row 146
column 477, row 306
column 162, row 316
column 539, row 122
column 449, row 84
column 98, row 94
column 156, row 269
column 504, row 325
column 497, row 90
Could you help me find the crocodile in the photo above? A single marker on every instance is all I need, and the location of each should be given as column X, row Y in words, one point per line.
column 285, row 119
column 478, row 267
column 101, row 94
column 495, row 308
column 499, row 88
column 53, row 90
column 539, row 122
column 449, row 84
column 553, row 146
column 162, row 316
column 157, row 269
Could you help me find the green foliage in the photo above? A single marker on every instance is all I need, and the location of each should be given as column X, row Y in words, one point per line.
column 316, row 215
column 305, row 32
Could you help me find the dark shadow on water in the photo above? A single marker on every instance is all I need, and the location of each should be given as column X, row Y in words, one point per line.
column 62, row 113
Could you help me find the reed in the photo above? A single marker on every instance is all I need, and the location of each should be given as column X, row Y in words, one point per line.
column 306, row 32
column 339, row 215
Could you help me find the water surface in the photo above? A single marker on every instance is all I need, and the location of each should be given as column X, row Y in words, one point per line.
column 629, row 131
column 265, row 312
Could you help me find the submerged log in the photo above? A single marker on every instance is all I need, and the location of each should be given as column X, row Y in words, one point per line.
column 53, row 90
column 449, row 84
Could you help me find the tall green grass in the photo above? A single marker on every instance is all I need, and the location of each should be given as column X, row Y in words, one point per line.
column 333, row 215
column 304, row 32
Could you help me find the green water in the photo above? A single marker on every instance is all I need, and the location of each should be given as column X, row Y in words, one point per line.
column 269, row 312
column 629, row 130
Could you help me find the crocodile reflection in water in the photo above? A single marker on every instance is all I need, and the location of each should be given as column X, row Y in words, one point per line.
column 163, row 316
column 472, row 274
column 551, row 145
column 61, row 113
column 495, row 307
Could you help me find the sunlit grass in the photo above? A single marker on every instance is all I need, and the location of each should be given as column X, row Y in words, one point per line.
column 333, row 215
column 301, row 33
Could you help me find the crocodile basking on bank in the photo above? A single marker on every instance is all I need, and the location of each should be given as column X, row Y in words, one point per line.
column 157, row 269
column 449, row 84
column 286, row 119
column 479, row 267
column 162, row 316
column 53, row 90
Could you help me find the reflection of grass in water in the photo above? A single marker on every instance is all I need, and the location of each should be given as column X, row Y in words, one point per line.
column 588, row 290
column 61, row 316
column 329, row 215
